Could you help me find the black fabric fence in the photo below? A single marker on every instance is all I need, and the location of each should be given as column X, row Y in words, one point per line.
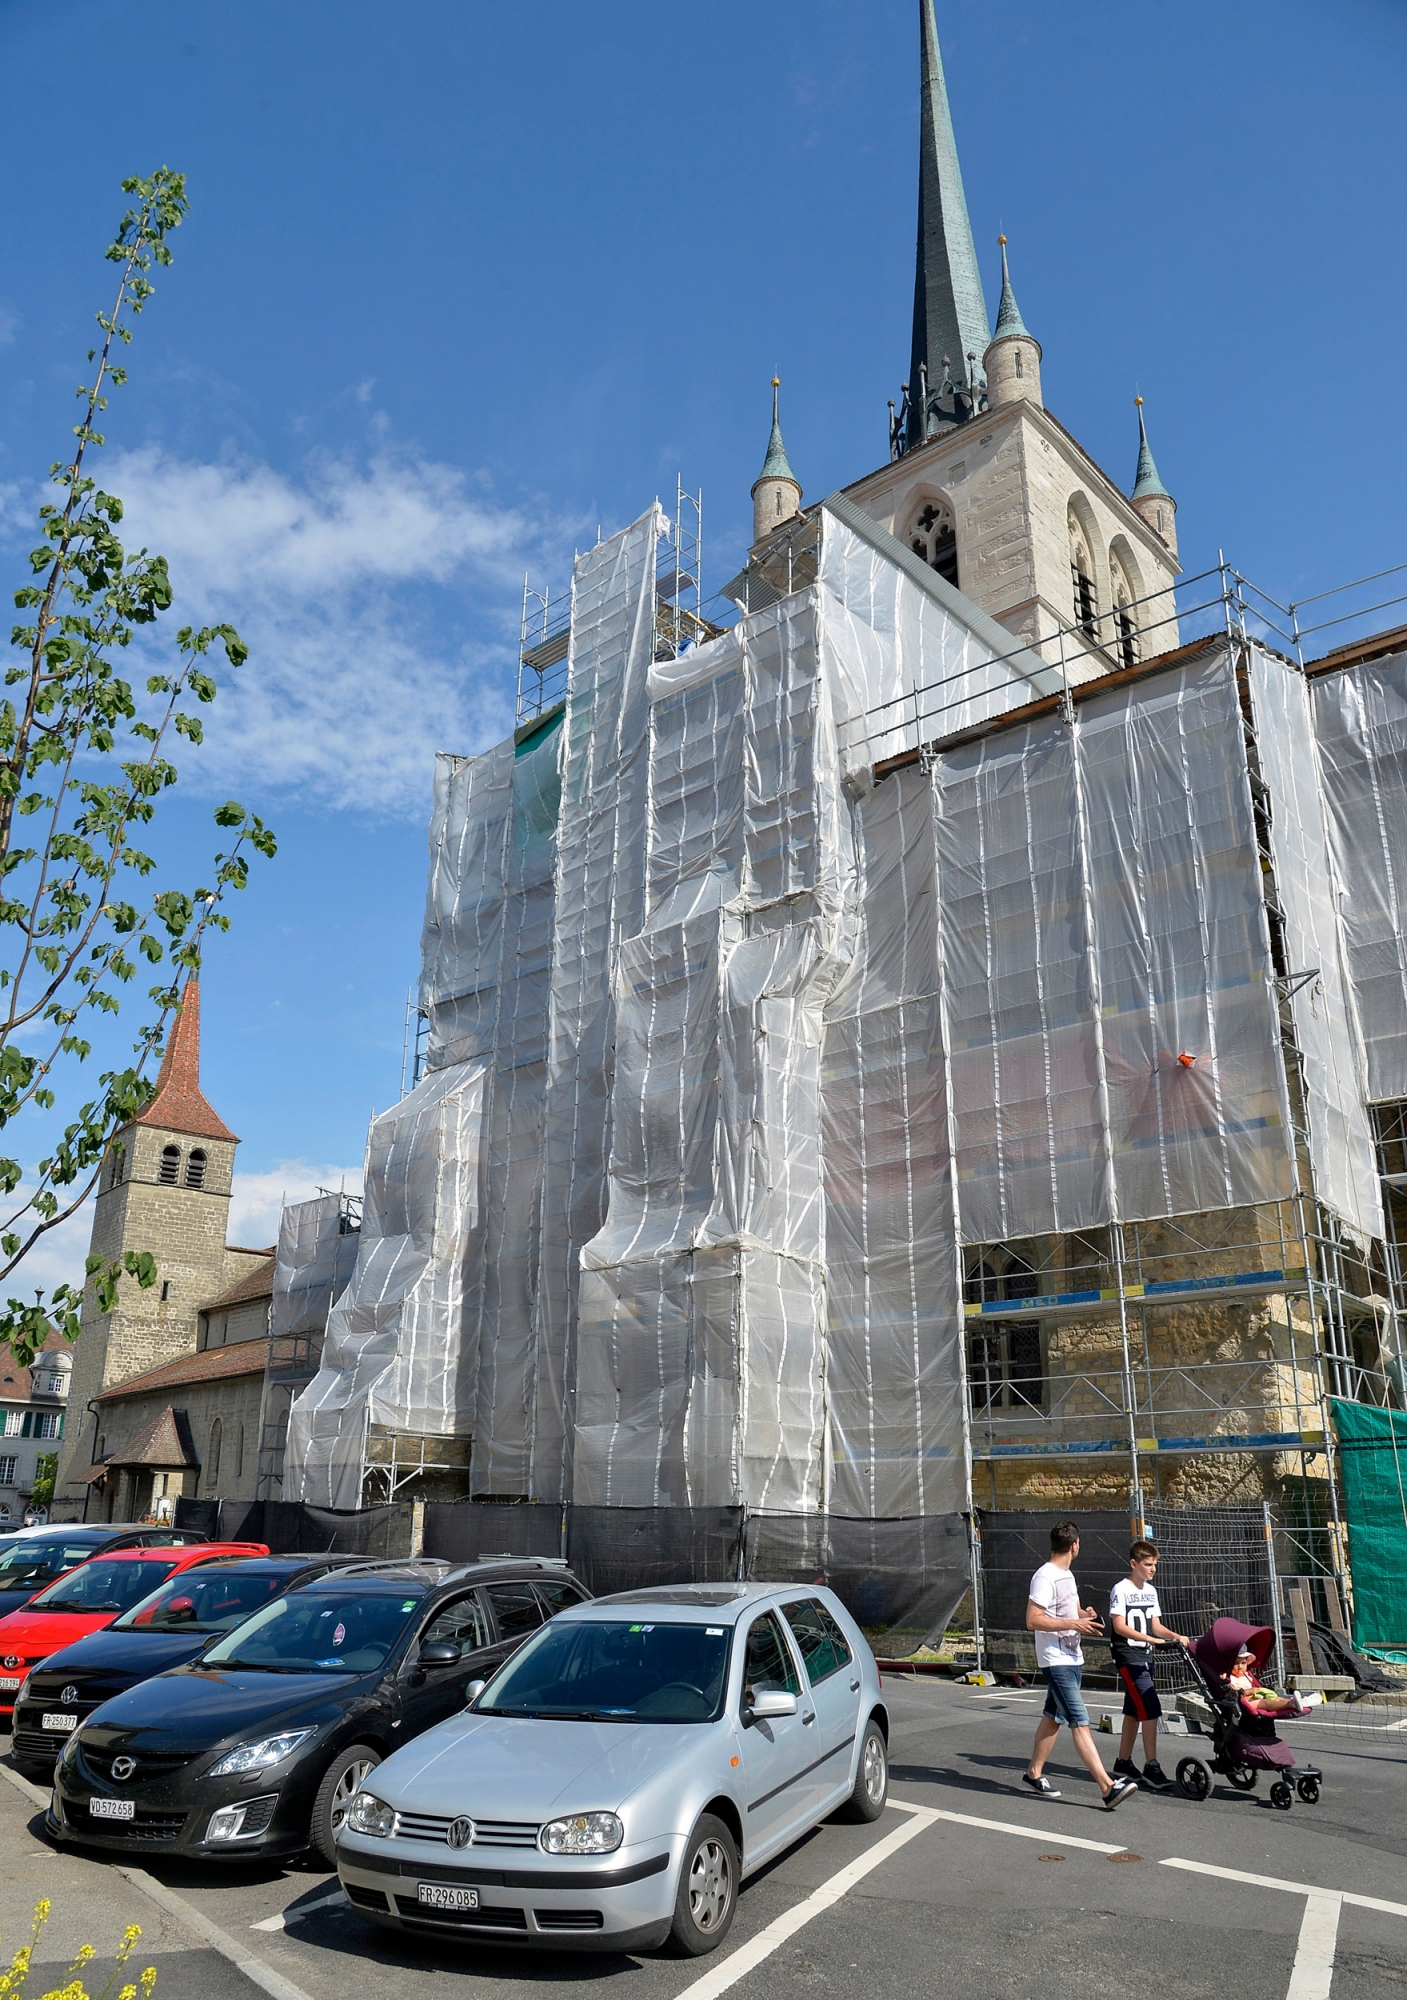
column 901, row 1580
column 290, row 1528
column 464, row 1531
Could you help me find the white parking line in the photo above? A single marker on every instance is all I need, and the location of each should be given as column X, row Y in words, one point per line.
column 1313, row 1971
column 739, row 1963
column 1290, row 1888
column 1047, row 1833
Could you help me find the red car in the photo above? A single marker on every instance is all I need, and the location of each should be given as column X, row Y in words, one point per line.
column 91, row 1596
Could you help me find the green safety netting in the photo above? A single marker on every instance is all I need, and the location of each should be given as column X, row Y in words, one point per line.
column 1373, row 1454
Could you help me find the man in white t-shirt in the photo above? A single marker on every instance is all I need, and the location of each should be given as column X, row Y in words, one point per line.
column 1054, row 1614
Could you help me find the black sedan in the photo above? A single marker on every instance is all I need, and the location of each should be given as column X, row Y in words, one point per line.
column 31, row 1561
column 169, row 1627
column 259, row 1746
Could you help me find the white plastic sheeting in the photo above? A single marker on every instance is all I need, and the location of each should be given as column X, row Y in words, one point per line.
column 1102, row 917
column 1361, row 721
column 315, row 1258
column 1340, row 1142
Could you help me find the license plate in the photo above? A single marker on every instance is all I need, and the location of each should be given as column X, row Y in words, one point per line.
column 9, row 1683
column 61, row 1723
column 112, row 1809
column 441, row 1896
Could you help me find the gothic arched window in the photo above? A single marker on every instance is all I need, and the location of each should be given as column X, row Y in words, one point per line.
column 169, row 1171
column 1004, row 1366
column 1086, row 597
column 933, row 537
column 195, row 1169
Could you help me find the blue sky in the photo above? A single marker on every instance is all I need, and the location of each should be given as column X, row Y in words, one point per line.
column 462, row 281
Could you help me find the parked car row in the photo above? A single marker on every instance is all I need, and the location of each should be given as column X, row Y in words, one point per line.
column 480, row 1750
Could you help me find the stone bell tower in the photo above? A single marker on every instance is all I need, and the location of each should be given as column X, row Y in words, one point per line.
column 164, row 1188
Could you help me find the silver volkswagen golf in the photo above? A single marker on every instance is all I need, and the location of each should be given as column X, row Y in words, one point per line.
column 621, row 1775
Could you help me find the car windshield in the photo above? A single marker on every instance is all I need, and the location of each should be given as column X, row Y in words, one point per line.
column 595, row 1670
column 339, row 1631
column 104, row 1586
column 27, row 1564
column 201, row 1600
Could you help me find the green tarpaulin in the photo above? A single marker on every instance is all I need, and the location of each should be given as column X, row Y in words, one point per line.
column 1373, row 1455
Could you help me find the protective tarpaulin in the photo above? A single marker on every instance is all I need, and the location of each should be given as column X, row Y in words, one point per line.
column 602, row 855
column 1360, row 718
column 1340, row 1142
column 395, row 1352
column 1102, row 918
column 317, row 1253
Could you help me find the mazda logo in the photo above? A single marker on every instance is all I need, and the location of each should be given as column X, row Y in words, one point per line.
column 69, row 1694
column 461, row 1832
column 122, row 1768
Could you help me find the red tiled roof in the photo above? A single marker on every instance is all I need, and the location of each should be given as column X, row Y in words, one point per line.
column 178, row 1105
column 258, row 1285
column 214, row 1364
column 16, row 1383
column 165, row 1442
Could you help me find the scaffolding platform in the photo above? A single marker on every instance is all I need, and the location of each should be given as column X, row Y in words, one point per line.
column 1170, row 1291
column 1272, row 1441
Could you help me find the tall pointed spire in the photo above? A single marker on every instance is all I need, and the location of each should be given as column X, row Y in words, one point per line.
column 178, row 1105
column 1145, row 480
column 1013, row 360
column 776, row 491
column 1150, row 499
column 1009, row 318
column 950, row 313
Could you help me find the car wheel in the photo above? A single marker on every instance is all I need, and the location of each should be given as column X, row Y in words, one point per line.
column 708, row 1889
column 866, row 1801
column 341, row 1781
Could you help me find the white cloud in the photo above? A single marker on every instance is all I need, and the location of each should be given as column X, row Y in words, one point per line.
column 353, row 587
column 256, row 1199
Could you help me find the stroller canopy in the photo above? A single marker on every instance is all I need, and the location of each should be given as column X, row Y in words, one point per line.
column 1216, row 1650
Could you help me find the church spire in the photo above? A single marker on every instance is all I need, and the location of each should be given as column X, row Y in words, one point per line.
column 950, row 313
column 776, row 491
column 179, row 1105
column 1150, row 499
column 1013, row 361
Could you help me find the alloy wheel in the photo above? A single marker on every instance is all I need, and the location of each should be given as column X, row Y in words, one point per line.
column 710, row 1885
column 348, row 1785
column 874, row 1768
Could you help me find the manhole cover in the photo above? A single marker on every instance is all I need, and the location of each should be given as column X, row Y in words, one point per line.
column 1050, row 1857
column 1125, row 1857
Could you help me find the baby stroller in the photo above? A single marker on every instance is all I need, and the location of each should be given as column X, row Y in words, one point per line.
column 1242, row 1745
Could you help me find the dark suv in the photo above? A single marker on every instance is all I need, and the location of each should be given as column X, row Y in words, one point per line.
column 259, row 1746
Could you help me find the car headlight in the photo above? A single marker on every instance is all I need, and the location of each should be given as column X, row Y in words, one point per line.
column 583, row 1833
column 258, row 1756
column 369, row 1815
column 23, row 1694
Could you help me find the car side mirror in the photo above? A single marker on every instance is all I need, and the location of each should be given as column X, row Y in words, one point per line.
column 473, row 1691
column 769, row 1702
column 440, row 1653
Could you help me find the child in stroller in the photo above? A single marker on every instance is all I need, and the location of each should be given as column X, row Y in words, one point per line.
column 1227, row 1663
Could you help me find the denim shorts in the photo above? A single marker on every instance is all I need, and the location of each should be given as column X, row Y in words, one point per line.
column 1063, row 1701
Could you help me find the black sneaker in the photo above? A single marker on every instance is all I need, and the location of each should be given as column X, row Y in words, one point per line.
column 1124, row 1768
column 1154, row 1776
column 1042, row 1787
column 1121, row 1789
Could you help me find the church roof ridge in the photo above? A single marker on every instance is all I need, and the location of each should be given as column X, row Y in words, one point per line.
column 179, row 1104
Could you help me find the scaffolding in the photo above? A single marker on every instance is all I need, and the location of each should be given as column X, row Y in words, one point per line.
column 317, row 1250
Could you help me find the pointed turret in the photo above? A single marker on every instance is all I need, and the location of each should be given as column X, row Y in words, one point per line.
column 950, row 314
column 776, row 491
column 178, row 1105
column 1150, row 499
column 1013, row 361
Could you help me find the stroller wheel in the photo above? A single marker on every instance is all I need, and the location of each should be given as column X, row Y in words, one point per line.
column 1281, row 1797
column 1243, row 1776
column 1308, row 1787
column 1194, row 1780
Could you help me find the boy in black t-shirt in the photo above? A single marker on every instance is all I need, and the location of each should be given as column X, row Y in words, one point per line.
column 1135, row 1617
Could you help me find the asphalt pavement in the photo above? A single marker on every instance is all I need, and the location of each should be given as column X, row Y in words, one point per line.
column 968, row 1886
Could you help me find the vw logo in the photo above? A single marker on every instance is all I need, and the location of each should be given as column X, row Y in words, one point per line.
column 461, row 1832
column 122, row 1768
column 69, row 1694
